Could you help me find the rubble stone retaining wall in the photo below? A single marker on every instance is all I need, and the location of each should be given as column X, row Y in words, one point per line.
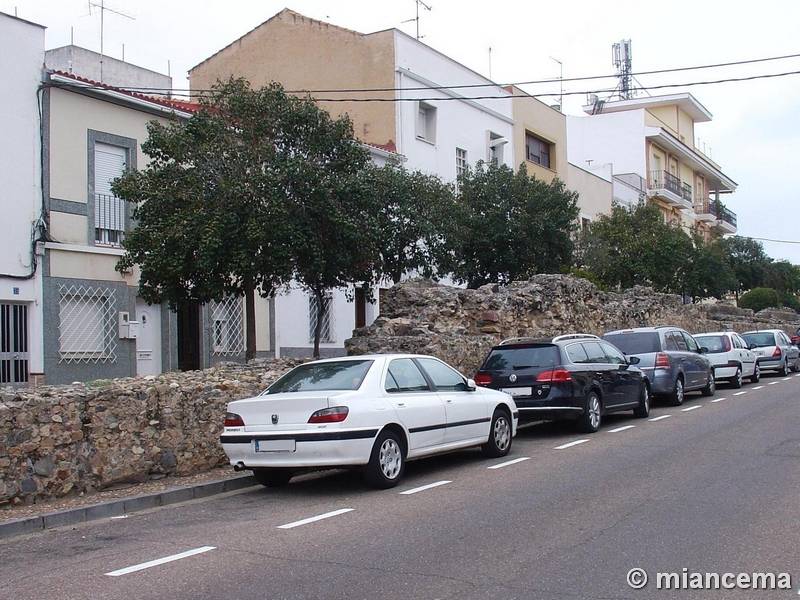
column 56, row 441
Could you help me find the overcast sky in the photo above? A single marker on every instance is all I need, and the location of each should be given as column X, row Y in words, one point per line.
column 754, row 135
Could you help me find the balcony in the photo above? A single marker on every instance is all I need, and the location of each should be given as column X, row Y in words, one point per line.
column 715, row 213
column 668, row 188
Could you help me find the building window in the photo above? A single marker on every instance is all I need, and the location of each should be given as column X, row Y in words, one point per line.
column 537, row 150
column 227, row 327
column 326, row 332
column 109, row 211
column 426, row 122
column 87, row 324
column 461, row 162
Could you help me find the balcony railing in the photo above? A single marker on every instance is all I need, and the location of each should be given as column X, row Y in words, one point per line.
column 664, row 180
column 719, row 211
column 109, row 220
column 686, row 192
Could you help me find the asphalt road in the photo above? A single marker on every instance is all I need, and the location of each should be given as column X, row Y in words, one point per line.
column 709, row 487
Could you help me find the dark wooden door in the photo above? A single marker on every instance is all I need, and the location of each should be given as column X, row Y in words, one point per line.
column 189, row 336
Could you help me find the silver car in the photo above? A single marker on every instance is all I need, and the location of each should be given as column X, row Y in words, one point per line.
column 670, row 357
column 732, row 357
column 774, row 350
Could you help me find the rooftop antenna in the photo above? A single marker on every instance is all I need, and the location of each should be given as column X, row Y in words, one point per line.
column 103, row 10
column 561, row 81
column 623, row 60
column 426, row 7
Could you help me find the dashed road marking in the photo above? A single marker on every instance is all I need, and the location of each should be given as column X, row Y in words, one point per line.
column 773, row 383
column 659, row 418
column 690, row 408
column 618, row 429
column 570, row 444
column 425, row 487
column 510, row 462
column 717, row 400
column 334, row 513
column 739, row 393
column 757, row 387
column 160, row 561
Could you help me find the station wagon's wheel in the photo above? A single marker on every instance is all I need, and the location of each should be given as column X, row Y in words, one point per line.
column 272, row 477
column 386, row 463
column 736, row 380
column 756, row 374
column 711, row 386
column 783, row 372
column 643, row 410
column 676, row 397
column 590, row 420
column 499, row 443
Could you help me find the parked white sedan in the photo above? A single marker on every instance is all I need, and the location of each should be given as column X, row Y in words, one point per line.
column 373, row 411
column 733, row 360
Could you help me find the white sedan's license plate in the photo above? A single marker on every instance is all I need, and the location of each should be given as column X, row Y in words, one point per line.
column 518, row 391
column 275, row 446
column 759, row 353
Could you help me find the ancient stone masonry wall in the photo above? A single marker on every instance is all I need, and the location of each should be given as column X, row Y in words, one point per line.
column 56, row 441
column 62, row 440
column 460, row 326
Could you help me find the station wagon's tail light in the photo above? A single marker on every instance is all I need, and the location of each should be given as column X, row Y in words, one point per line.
column 233, row 420
column 662, row 361
column 337, row 414
column 777, row 352
column 483, row 379
column 554, row 376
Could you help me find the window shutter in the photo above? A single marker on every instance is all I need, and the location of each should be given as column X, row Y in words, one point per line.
column 109, row 163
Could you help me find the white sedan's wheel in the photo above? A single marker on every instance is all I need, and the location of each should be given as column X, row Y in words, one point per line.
column 387, row 462
column 499, row 443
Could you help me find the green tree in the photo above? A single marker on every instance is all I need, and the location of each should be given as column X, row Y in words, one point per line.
column 707, row 272
column 749, row 263
column 210, row 219
column 415, row 212
column 510, row 226
column 759, row 298
column 634, row 246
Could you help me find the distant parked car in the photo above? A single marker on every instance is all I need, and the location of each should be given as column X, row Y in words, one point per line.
column 774, row 350
column 733, row 360
column 373, row 412
column 670, row 357
column 577, row 377
column 795, row 339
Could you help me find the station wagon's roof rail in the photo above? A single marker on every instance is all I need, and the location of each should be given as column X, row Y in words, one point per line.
column 519, row 340
column 666, row 327
column 575, row 336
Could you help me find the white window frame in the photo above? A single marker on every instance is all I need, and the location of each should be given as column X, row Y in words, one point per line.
column 426, row 122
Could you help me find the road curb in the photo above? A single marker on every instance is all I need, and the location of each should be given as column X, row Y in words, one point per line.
column 116, row 508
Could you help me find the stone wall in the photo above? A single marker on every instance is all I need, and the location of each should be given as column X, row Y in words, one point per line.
column 460, row 325
column 61, row 440
column 56, row 441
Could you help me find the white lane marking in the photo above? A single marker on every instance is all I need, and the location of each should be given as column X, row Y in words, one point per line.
column 786, row 379
column 618, row 429
column 334, row 513
column 120, row 517
column 717, row 400
column 160, row 561
column 773, row 382
column 690, row 408
column 425, row 487
column 569, row 445
column 758, row 387
column 511, row 462
column 659, row 418
column 739, row 393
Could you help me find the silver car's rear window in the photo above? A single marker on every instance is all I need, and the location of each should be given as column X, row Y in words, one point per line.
column 501, row 359
column 760, row 339
column 329, row 376
column 640, row 342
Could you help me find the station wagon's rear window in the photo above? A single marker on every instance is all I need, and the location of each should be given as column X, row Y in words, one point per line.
column 502, row 359
column 642, row 342
column 329, row 376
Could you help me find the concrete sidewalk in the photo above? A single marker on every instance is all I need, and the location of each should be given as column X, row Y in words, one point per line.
column 122, row 506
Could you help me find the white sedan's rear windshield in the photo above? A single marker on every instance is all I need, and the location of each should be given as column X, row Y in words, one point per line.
column 329, row 376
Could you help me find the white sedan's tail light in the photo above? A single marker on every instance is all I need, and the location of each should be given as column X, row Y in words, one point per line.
column 233, row 420
column 337, row 414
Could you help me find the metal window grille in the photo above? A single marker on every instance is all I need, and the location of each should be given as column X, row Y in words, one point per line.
column 227, row 327
column 86, row 331
column 109, row 220
column 326, row 333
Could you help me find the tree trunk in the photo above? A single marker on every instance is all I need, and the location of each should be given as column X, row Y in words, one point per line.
column 250, row 318
column 320, row 315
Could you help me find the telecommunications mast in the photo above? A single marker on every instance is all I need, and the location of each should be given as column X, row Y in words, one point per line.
column 623, row 61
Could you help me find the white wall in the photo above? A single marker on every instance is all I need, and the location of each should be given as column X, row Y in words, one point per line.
column 21, row 59
column 617, row 139
column 460, row 124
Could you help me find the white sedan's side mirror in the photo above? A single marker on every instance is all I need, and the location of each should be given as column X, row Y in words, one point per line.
column 471, row 385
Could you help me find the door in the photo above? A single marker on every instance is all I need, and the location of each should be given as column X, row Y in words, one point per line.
column 189, row 336
column 467, row 413
column 148, row 342
column 627, row 383
column 14, row 358
column 418, row 407
column 696, row 362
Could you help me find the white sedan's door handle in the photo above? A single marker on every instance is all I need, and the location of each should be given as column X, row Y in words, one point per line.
column 401, row 404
